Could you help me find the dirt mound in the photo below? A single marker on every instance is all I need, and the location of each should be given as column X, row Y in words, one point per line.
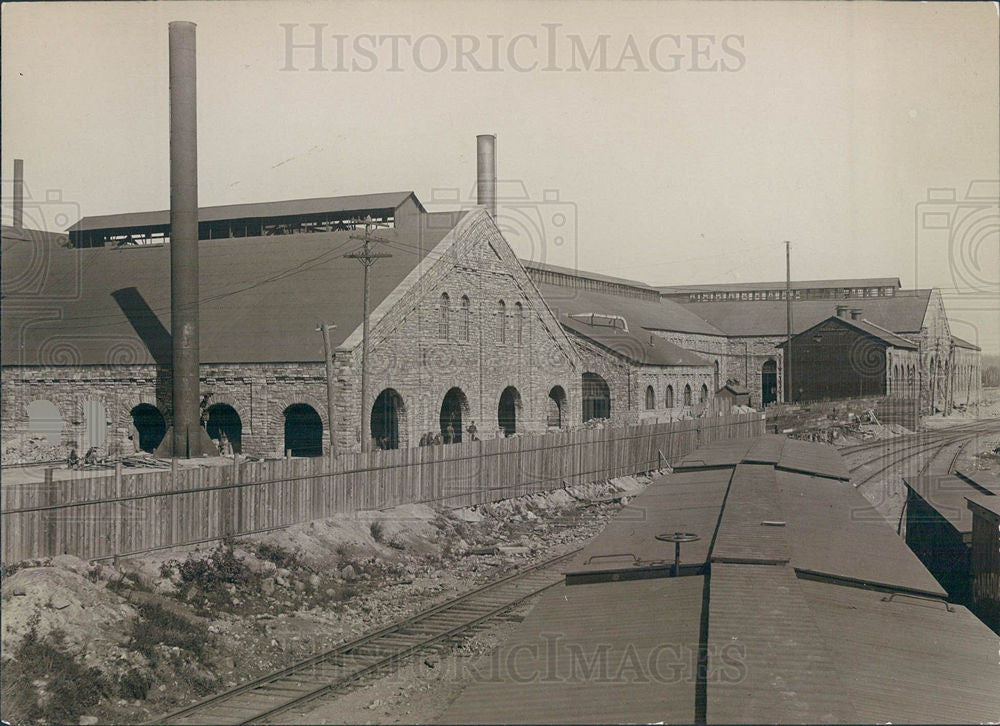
column 27, row 448
column 91, row 617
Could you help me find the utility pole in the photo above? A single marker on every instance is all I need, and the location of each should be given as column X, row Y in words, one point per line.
column 325, row 329
column 788, row 322
column 368, row 257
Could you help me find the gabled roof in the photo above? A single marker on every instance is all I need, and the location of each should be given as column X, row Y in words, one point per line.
column 734, row 388
column 796, row 285
column 256, row 210
column 634, row 346
column 903, row 312
column 640, row 313
column 862, row 326
column 24, row 234
column 959, row 343
column 531, row 265
column 261, row 297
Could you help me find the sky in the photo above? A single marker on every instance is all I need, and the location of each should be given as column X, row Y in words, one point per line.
column 671, row 143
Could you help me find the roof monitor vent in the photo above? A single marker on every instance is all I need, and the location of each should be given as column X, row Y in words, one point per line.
column 856, row 314
column 841, row 311
column 602, row 319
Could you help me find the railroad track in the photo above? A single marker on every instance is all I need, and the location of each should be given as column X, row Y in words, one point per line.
column 950, row 432
column 340, row 669
column 936, row 445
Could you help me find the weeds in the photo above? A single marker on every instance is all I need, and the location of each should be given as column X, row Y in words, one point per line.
column 277, row 554
column 155, row 625
column 378, row 531
column 44, row 682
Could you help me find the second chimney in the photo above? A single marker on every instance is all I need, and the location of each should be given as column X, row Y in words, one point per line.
column 18, row 212
column 841, row 311
column 856, row 314
column 486, row 172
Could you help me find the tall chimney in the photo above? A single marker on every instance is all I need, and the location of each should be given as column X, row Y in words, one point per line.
column 184, row 239
column 18, row 213
column 841, row 311
column 856, row 314
column 486, row 172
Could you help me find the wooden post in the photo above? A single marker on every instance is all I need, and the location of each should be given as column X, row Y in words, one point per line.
column 117, row 529
column 51, row 498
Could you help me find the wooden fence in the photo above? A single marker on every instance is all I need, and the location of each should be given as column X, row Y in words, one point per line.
column 125, row 513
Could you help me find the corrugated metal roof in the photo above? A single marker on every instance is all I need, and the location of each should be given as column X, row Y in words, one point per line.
column 796, row 285
column 902, row 313
column 260, row 297
column 680, row 502
column 905, row 659
column 254, row 210
column 640, row 313
column 645, row 631
column 835, row 532
column 759, row 618
column 946, row 494
column 749, row 531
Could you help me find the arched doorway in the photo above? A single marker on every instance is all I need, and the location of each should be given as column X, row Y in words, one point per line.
column 596, row 397
column 556, row 402
column 454, row 411
column 223, row 419
column 387, row 412
column 44, row 420
column 303, row 430
column 150, row 424
column 769, row 382
column 508, row 409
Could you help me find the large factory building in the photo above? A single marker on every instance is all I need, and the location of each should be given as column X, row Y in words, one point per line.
column 463, row 334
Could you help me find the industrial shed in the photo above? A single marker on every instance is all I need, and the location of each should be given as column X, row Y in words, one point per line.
column 843, row 357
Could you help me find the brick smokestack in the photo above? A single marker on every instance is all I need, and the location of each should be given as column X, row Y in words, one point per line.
column 184, row 312
column 486, row 172
column 18, row 211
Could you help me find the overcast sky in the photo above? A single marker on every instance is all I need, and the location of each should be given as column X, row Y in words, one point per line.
column 679, row 143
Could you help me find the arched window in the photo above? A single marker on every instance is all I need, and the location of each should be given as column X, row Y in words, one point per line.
column 44, row 420
column 596, row 397
column 668, row 397
column 502, row 315
column 687, row 395
column 519, row 321
column 650, row 398
column 704, row 394
column 445, row 315
column 465, row 318
column 557, row 398
column 303, row 430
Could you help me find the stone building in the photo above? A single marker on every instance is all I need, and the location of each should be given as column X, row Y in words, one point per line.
column 461, row 332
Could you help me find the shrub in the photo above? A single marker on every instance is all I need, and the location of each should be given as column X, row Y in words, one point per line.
column 70, row 687
column 277, row 554
column 155, row 625
column 378, row 531
column 134, row 684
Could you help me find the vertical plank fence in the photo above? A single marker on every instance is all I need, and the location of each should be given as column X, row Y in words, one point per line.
column 123, row 513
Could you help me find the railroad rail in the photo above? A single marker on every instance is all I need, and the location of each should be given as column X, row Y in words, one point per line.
column 936, row 445
column 341, row 668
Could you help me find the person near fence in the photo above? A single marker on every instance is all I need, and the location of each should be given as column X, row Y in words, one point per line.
column 72, row 461
column 133, row 436
column 449, row 434
column 473, row 431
